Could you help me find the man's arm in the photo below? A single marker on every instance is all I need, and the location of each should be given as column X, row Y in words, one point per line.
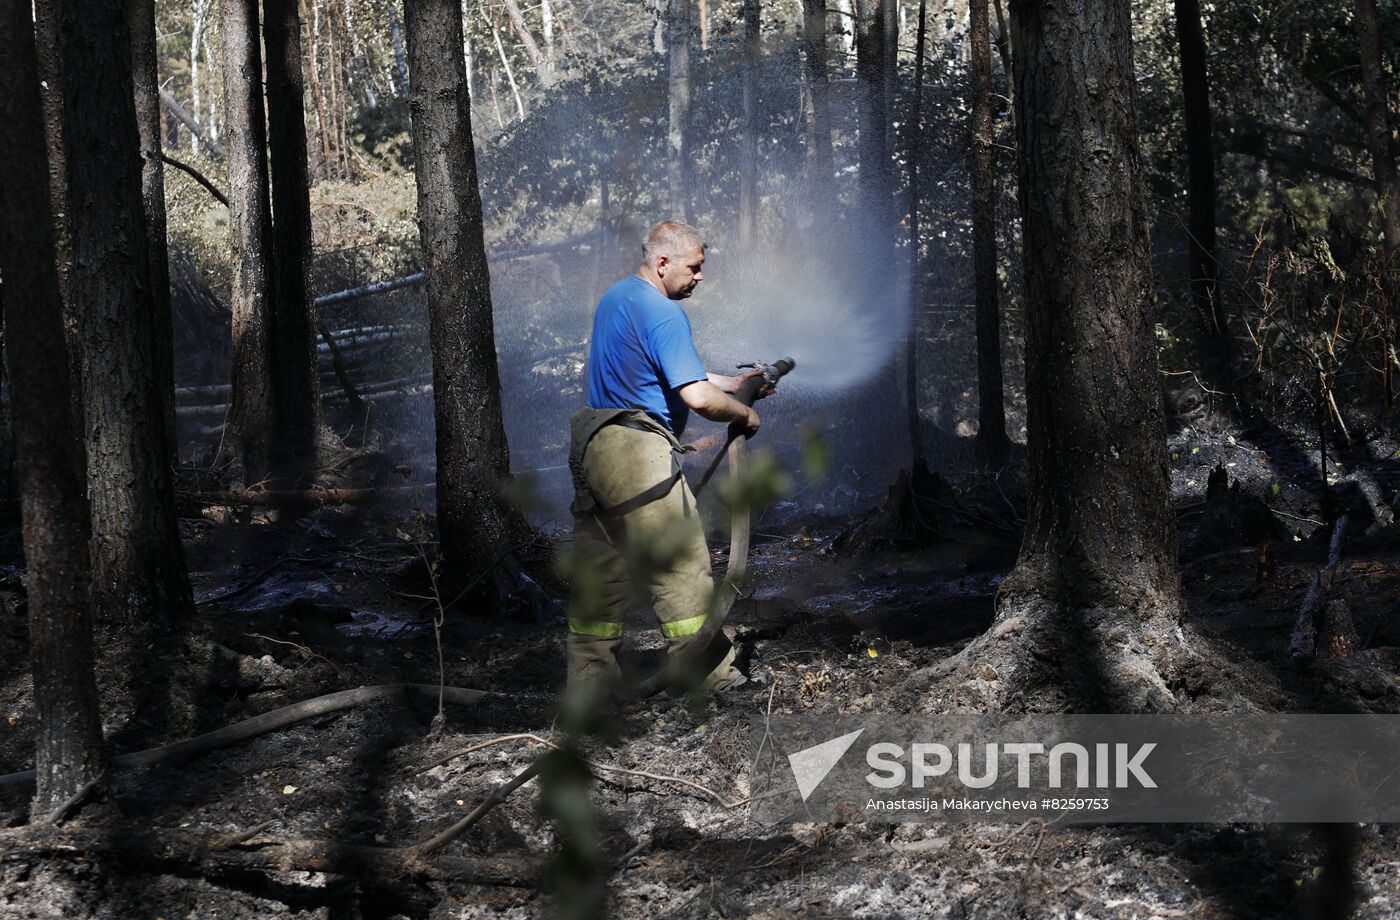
column 709, row 401
column 732, row 384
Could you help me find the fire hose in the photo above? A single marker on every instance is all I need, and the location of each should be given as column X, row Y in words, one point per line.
column 711, row 645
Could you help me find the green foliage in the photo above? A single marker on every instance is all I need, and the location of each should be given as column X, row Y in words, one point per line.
column 762, row 482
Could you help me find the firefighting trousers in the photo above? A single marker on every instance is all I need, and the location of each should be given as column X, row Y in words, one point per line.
column 642, row 540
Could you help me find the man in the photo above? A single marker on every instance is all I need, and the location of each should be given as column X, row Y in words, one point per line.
column 635, row 519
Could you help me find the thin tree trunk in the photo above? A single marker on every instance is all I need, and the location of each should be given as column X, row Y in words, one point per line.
column 400, row 64
column 678, row 107
column 68, row 740
column 703, row 10
column 141, row 14
column 510, row 74
column 138, row 564
column 1100, row 531
column 849, row 12
column 1004, row 52
column 1201, row 197
column 335, row 104
column 532, row 47
column 293, row 349
column 547, row 14
column 201, row 15
column 318, row 96
column 889, row 66
column 820, row 162
column 916, row 285
column 873, row 120
column 473, row 460
column 253, row 420
column 993, row 448
column 1368, row 38
column 748, row 135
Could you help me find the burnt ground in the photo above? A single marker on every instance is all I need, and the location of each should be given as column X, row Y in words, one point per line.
column 290, row 610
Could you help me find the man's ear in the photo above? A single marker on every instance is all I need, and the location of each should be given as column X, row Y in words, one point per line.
column 662, row 262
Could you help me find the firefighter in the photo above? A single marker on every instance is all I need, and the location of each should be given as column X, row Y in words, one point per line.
column 635, row 518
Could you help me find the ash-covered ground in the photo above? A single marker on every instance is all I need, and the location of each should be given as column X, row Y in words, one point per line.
column 340, row 600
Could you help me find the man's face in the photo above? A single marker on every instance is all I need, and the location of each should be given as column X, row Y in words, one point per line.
column 679, row 276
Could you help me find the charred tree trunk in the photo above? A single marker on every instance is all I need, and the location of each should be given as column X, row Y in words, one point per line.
column 138, row 564
column 873, row 121
column 1368, row 37
column 68, row 750
column 748, row 137
column 820, row 161
column 678, row 96
column 253, row 418
column 889, row 68
column 51, row 98
column 993, row 449
column 1217, row 352
column 916, row 285
column 141, row 14
column 473, row 460
column 1087, row 619
column 297, row 388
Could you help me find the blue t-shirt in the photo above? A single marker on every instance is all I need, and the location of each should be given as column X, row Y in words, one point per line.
column 642, row 353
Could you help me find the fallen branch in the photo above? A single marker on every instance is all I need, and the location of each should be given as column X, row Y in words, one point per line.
column 209, row 853
column 318, row 495
column 497, row 796
column 357, row 405
column 197, row 176
column 61, row 812
column 183, row 115
column 271, row 721
column 593, row 765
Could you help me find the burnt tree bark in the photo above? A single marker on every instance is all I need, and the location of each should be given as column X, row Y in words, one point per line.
column 297, row 386
column 253, row 417
column 678, row 107
column 138, row 564
column 141, row 14
column 1088, row 618
column 889, row 66
column 1368, row 38
column 748, row 136
column 916, row 284
column 51, row 97
column 820, row 162
column 993, row 448
column 1217, row 350
column 68, row 750
column 875, row 186
column 473, row 461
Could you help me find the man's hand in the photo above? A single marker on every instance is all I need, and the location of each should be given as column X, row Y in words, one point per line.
column 763, row 391
column 749, row 424
column 732, row 384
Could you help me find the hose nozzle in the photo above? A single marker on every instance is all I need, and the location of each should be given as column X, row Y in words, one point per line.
column 769, row 377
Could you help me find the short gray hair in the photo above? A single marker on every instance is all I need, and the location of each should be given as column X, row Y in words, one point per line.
column 670, row 238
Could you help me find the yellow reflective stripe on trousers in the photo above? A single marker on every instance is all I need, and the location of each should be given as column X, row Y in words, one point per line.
column 681, row 628
column 603, row 629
